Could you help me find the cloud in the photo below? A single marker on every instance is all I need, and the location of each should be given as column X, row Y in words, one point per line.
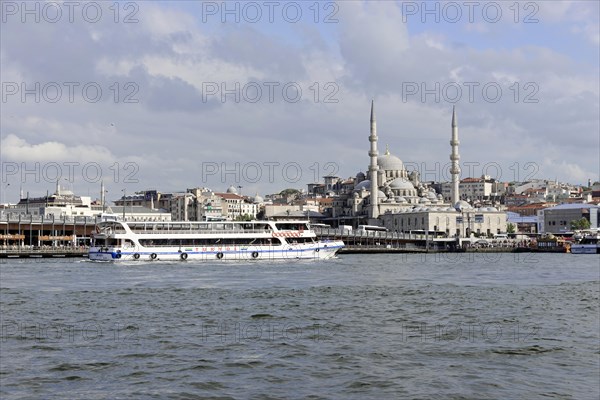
column 18, row 149
column 172, row 129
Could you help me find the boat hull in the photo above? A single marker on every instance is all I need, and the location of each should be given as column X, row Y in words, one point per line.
column 318, row 251
column 585, row 249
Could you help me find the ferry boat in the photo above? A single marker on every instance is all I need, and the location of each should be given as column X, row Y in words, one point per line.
column 116, row 240
column 590, row 244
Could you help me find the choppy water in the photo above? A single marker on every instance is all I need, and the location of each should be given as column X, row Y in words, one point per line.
column 497, row 326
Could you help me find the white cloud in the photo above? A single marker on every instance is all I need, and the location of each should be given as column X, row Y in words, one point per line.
column 18, row 149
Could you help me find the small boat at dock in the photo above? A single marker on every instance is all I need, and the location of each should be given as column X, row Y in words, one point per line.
column 589, row 244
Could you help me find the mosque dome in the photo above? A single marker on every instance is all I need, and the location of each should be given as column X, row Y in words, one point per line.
column 462, row 205
column 380, row 195
column 389, row 162
column 401, row 184
column 257, row 199
column 232, row 190
column 366, row 184
column 431, row 196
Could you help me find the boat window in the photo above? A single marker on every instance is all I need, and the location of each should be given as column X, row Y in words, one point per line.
column 211, row 242
column 106, row 242
column 296, row 226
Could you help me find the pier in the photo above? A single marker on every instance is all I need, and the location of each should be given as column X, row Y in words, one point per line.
column 44, row 252
column 31, row 236
column 39, row 231
column 387, row 242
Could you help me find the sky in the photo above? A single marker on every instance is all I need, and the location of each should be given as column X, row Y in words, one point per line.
column 272, row 95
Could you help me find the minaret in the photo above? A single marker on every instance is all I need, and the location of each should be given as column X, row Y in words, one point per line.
column 373, row 168
column 102, row 198
column 454, row 157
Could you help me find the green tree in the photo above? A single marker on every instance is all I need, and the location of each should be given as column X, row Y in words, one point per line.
column 580, row 224
column 289, row 192
column 511, row 228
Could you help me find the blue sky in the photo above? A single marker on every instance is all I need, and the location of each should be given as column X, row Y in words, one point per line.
column 162, row 122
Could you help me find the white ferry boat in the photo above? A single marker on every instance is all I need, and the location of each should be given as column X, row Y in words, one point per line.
column 590, row 244
column 206, row 241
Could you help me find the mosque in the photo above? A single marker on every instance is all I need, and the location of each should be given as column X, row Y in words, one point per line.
column 396, row 198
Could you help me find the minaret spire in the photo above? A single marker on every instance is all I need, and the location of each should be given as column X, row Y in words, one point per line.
column 373, row 168
column 102, row 199
column 454, row 157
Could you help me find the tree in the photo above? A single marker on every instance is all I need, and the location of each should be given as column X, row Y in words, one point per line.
column 510, row 228
column 289, row 192
column 579, row 224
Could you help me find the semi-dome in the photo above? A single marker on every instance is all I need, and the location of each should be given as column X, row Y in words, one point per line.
column 380, row 195
column 401, row 184
column 366, row 184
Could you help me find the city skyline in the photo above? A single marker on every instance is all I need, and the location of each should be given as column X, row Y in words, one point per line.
column 165, row 68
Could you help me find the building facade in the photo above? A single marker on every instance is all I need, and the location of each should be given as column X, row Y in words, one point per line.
column 558, row 219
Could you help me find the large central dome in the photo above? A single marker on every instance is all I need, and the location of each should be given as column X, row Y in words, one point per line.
column 389, row 162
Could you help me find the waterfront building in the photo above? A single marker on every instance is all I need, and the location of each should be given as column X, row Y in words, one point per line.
column 281, row 210
column 558, row 219
column 139, row 213
column 522, row 223
column 63, row 203
column 448, row 222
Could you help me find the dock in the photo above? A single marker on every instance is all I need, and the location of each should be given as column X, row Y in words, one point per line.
column 44, row 253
